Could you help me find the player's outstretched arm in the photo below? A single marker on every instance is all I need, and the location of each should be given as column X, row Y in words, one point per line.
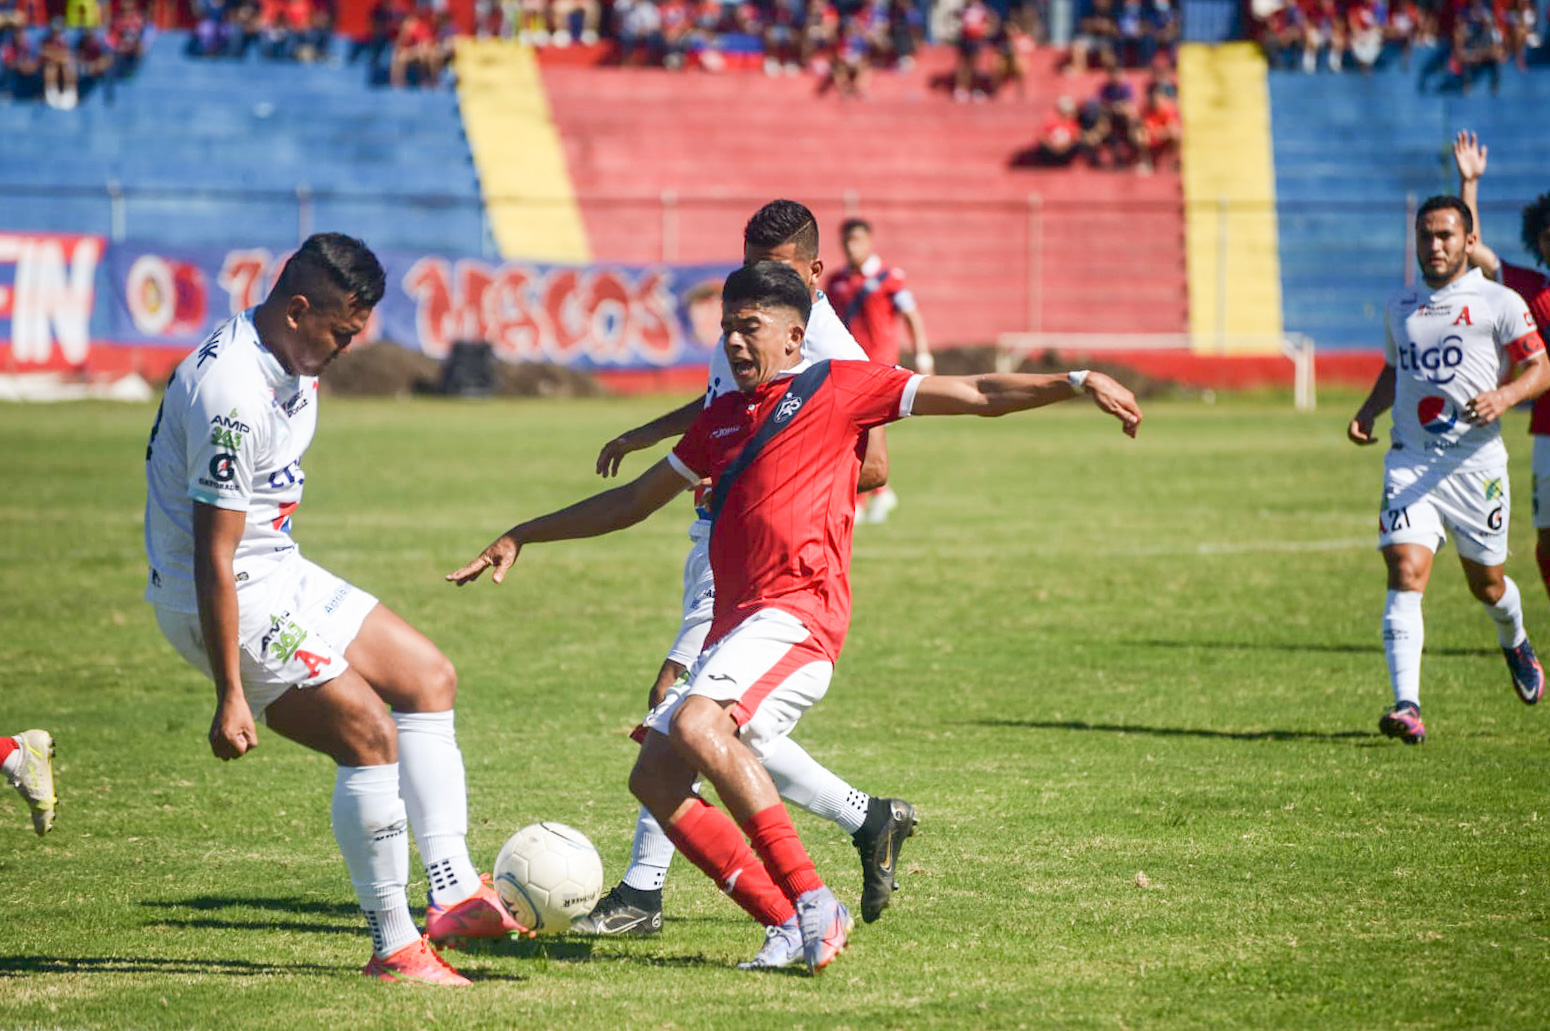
column 601, row 513
column 1469, row 155
column 672, row 424
column 1003, row 393
column 1530, row 379
column 217, row 532
column 1379, row 400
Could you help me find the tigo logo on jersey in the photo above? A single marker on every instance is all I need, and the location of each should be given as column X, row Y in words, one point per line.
column 1435, row 364
column 1435, row 415
column 789, row 407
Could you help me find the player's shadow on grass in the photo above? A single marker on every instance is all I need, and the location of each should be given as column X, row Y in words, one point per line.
column 1225, row 735
column 316, row 907
column 347, row 916
column 1276, row 646
column 15, row 966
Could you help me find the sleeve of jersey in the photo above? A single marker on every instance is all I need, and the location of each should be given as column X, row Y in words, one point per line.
column 222, row 446
column 1518, row 331
column 874, row 394
column 1390, row 349
column 903, row 300
column 688, row 455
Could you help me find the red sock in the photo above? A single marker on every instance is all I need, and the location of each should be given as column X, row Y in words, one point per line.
column 7, row 746
column 776, row 841
column 1542, row 553
column 711, row 841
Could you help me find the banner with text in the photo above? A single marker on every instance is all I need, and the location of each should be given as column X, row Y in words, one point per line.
column 48, row 284
column 590, row 317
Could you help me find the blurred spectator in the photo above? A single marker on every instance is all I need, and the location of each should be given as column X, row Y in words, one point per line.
column 56, row 59
column 1364, row 30
column 780, row 25
column 1162, row 76
column 820, row 34
column 1162, row 28
column 376, row 46
column 850, row 65
column 1323, row 30
column 1060, row 139
column 1015, row 49
column 577, row 19
column 1116, row 99
column 1096, row 37
column 20, row 71
column 126, row 35
column 977, row 26
column 1477, row 46
column 210, row 34
column 1159, row 133
column 640, row 31
column 906, row 28
column 94, row 59
column 314, row 24
column 414, row 61
column 1280, row 28
column 677, row 31
column 1132, row 38
column 1520, row 22
column 1409, row 25
column 12, row 15
column 278, row 40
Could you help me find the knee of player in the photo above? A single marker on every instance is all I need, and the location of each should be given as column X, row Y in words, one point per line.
column 439, row 686
column 370, row 739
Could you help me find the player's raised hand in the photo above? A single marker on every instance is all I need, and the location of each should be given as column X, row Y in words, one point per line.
column 1112, row 397
column 232, row 731
column 1469, row 155
column 499, row 556
column 614, row 451
column 1360, row 431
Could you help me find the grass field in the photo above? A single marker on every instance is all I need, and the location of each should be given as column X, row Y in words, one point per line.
column 1131, row 686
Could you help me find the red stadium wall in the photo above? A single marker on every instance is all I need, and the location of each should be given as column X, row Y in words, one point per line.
column 669, row 166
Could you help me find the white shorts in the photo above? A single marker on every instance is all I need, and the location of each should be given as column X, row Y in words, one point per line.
column 1426, row 504
column 1541, row 483
column 698, row 602
column 768, row 667
column 293, row 627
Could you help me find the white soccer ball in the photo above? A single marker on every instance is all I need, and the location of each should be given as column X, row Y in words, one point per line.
column 548, row 875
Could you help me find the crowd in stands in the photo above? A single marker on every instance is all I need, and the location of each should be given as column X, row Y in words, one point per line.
column 277, row 30
column 47, row 59
column 1467, row 38
column 1110, row 129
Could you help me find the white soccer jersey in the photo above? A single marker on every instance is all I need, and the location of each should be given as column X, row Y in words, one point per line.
column 826, row 338
column 1447, row 347
column 230, row 433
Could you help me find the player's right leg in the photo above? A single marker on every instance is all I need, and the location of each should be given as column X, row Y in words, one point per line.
column 1410, row 530
column 1541, row 498
column 343, row 718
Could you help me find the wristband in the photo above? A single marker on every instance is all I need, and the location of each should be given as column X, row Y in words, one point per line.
column 1078, row 380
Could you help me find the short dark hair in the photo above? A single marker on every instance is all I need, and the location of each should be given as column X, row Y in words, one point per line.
column 767, row 284
column 1447, row 202
column 334, row 262
column 781, row 222
column 850, row 225
column 1536, row 217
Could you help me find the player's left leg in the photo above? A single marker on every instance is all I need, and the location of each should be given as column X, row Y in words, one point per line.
column 27, row 760
column 419, row 683
column 1494, row 589
column 1541, row 499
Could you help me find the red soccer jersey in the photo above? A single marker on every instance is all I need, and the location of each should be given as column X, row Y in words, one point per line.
column 1534, row 288
column 867, row 300
column 782, row 537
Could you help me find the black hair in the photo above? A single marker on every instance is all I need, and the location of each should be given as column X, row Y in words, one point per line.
column 767, row 284
column 333, row 261
column 782, row 222
column 850, row 225
column 1536, row 217
column 1447, row 202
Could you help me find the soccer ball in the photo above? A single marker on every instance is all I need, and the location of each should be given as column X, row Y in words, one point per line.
column 548, row 875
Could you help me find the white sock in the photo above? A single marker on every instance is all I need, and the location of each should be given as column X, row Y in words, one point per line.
column 804, row 781
column 1404, row 634
column 369, row 824
column 431, row 783
column 1507, row 613
column 652, row 856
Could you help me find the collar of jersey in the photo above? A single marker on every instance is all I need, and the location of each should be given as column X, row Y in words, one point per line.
column 870, row 266
column 274, row 372
column 1472, row 276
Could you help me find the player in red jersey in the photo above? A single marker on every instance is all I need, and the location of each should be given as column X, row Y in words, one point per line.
column 783, row 454
column 1534, row 287
column 870, row 297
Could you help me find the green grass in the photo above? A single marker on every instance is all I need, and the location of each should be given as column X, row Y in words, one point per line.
column 1132, row 687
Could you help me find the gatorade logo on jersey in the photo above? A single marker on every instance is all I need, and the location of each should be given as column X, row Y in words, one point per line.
column 1435, row 415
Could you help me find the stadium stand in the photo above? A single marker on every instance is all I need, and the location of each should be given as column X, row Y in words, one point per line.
column 216, row 152
column 1348, row 151
column 668, row 166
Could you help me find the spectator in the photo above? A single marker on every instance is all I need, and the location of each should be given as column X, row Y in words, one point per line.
column 94, row 60
column 209, row 38
column 414, row 52
column 245, row 26
column 1093, row 124
column 1162, row 29
column 1281, row 30
column 1160, row 131
column 906, row 28
column 1323, row 29
column 1521, row 22
column 850, row 65
column 383, row 23
column 278, row 40
column 1477, row 46
column 819, row 36
column 1364, row 31
column 1015, row 49
column 1409, row 25
column 313, row 41
column 578, row 19
column 12, row 15
column 1096, row 35
column 977, row 25
column 1132, row 39
column 1162, row 76
column 1117, row 100
column 1060, row 138
column 780, row 22
column 126, row 35
column 20, row 70
column 56, row 59
column 640, row 32
column 704, row 39
column 677, row 31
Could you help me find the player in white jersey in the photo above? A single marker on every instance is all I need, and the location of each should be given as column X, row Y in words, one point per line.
column 1459, row 353
column 286, row 642
column 786, row 232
